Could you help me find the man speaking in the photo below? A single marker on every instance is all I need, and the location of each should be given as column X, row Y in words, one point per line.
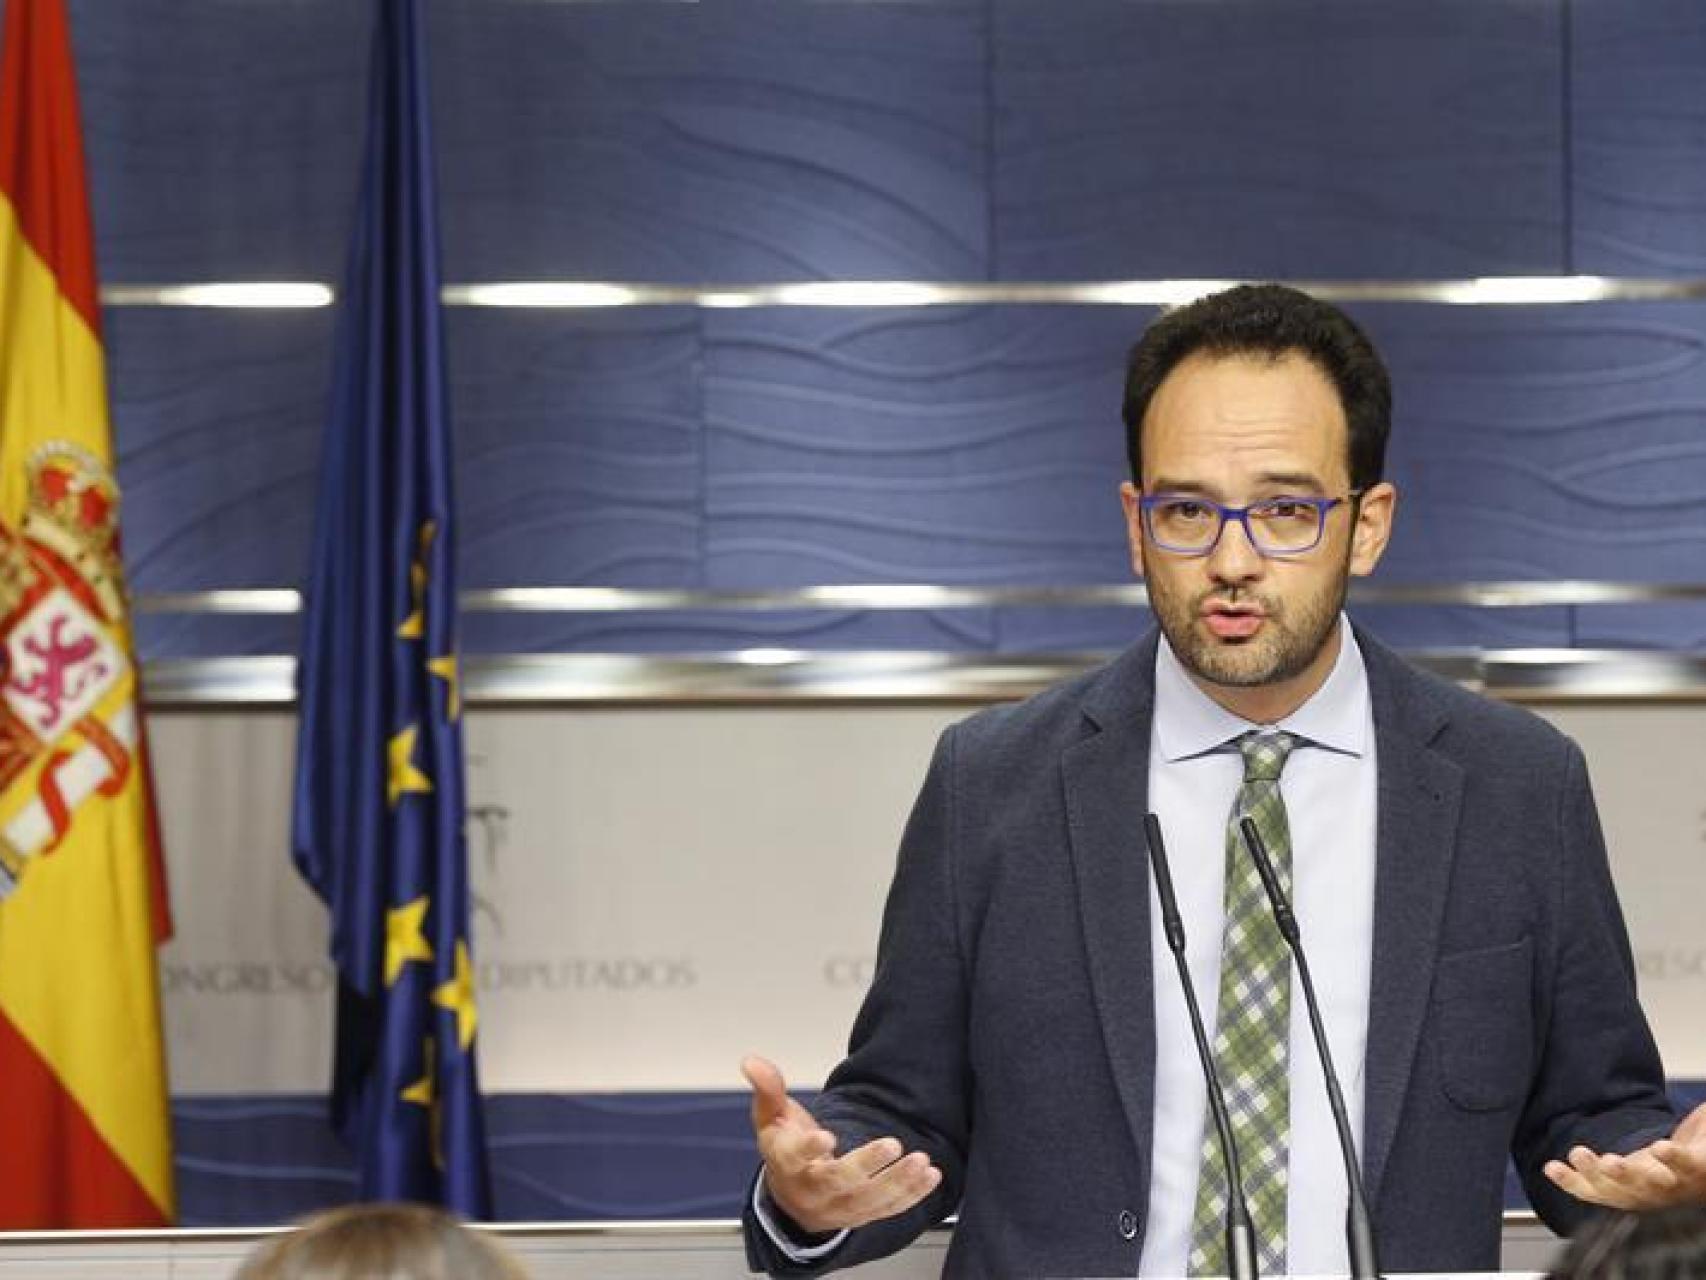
column 1024, row 1053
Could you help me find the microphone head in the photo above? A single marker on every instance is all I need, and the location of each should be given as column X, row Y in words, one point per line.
column 1170, row 919
column 1270, row 881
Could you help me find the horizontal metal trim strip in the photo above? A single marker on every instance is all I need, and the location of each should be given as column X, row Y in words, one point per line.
column 789, row 675
column 597, row 294
column 715, row 1229
column 901, row 596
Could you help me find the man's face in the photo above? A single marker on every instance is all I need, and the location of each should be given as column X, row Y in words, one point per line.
column 1237, row 430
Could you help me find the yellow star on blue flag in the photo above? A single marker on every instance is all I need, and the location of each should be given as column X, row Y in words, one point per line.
column 404, row 939
column 402, row 776
column 457, row 995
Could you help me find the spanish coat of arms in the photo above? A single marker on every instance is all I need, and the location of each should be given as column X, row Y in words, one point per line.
column 67, row 728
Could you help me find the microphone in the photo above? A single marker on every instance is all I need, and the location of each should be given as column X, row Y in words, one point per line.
column 1240, row 1235
column 1359, row 1231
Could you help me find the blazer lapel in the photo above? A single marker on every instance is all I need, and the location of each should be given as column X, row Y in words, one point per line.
column 1106, row 778
column 1420, row 793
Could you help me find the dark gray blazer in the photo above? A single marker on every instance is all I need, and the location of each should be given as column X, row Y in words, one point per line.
column 1009, row 1030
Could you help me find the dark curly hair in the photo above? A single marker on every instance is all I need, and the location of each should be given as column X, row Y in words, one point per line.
column 1268, row 320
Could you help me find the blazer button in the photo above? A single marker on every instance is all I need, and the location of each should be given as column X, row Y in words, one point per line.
column 1128, row 1224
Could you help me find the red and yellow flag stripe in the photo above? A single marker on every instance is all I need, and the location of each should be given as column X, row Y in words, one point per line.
column 84, row 1132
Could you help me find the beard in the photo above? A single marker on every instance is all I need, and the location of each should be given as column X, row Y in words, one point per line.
column 1292, row 635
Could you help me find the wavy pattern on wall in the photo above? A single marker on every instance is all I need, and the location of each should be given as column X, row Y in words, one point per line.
column 578, row 446
column 1638, row 138
column 217, row 417
column 221, row 145
column 555, row 1157
column 1549, row 443
column 742, row 140
column 1304, row 140
column 975, row 445
column 711, row 631
column 953, row 140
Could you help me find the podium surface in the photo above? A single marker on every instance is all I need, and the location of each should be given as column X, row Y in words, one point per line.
column 550, row 1251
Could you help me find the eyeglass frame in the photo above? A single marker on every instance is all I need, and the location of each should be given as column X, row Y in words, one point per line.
column 1147, row 503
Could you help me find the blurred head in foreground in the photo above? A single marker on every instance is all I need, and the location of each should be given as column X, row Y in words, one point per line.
column 1663, row 1244
column 381, row 1242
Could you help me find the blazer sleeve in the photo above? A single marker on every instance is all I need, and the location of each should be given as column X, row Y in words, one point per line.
column 1600, row 1082
column 905, row 1074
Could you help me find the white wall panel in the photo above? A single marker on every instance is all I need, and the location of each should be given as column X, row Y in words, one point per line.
column 661, row 890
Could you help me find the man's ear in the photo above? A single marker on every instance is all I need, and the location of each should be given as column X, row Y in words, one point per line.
column 1133, row 525
column 1373, row 528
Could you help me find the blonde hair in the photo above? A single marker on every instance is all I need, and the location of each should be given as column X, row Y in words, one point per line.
column 381, row 1242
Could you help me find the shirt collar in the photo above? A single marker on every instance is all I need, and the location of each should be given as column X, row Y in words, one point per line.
column 1190, row 723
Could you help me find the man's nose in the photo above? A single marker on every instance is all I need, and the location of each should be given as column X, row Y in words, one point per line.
column 1234, row 557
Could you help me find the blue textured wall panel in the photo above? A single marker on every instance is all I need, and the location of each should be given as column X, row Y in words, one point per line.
column 978, row 445
column 245, row 1161
column 1548, row 443
column 217, row 422
column 223, row 140
column 1073, row 630
column 578, row 446
column 734, row 141
column 1410, row 627
column 742, row 140
column 1638, row 137
column 758, row 139
column 272, row 1158
column 1645, row 626
column 1152, row 138
column 1447, row 627
column 974, row 445
column 710, row 631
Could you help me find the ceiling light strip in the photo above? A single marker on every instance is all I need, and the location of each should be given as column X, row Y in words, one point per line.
column 578, row 295
column 880, row 597
column 777, row 675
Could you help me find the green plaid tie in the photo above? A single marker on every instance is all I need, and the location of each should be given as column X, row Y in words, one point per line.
column 1253, row 1029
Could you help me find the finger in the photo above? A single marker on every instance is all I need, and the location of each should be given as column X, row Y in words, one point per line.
column 840, row 1194
column 1569, row 1180
column 868, row 1161
column 828, row 1181
column 900, row 1186
column 1592, row 1177
column 1686, row 1162
column 1646, row 1178
column 1693, row 1126
column 792, row 1149
column 769, row 1091
column 1584, row 1161
column 1640, row 1180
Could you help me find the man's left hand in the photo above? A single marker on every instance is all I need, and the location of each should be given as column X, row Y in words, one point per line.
column 1670, row 1171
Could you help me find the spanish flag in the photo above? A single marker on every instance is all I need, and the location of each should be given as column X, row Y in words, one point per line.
column 84, row 1138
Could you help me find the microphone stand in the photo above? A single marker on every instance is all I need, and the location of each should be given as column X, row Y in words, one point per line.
column 1240, row 1235
column 1359, row 1231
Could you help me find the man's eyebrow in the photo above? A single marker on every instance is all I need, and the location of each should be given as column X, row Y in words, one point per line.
column 1164, row 485
column 1295, row 479
column 1303, row 481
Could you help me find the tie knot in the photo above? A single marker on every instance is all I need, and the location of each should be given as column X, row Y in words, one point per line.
column 1265, row 752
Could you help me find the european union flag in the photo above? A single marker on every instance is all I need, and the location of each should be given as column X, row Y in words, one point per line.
column 378, row 827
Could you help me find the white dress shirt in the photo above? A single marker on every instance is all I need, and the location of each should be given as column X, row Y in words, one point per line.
column 1329, row 788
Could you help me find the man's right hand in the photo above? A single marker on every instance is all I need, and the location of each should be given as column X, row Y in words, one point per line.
column 819, row 1190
